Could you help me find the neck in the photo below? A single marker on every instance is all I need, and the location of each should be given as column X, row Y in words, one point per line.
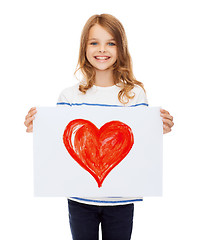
column 104, row 78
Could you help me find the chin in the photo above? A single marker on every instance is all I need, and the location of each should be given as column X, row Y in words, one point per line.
column 102, row 69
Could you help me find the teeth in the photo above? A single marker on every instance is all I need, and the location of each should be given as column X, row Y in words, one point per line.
column 102, row 58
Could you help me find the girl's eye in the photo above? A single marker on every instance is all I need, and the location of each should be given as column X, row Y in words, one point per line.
column 95, row 43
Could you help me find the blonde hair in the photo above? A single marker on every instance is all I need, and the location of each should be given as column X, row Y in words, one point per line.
column 122, row 68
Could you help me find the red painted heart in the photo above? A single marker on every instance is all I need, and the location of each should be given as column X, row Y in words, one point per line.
column 98, row 151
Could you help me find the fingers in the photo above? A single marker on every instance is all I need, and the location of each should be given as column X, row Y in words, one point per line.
column 30, row 128
column 31, row 112
column 29, row 119
column 167, row 121
column 166, row 114
column 164, row 111
column 166, row 129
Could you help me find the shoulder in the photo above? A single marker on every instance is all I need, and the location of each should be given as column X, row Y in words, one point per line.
column 140, row 95
column 68, row 93
column 137, row 89
column 70, row 89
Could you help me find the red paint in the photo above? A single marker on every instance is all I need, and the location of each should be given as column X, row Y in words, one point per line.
column 98, row 151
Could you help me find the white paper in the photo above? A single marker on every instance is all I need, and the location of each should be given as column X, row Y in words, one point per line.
column 56, row 173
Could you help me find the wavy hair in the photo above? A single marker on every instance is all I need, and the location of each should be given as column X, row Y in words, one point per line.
column 122, row 68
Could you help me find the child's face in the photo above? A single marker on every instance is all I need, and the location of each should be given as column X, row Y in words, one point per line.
column 101, row 49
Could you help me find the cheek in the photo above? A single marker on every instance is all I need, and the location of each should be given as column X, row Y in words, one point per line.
column 89, row 52
column 115, row 53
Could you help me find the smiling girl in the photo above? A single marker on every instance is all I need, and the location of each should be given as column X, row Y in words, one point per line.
column 105, row 63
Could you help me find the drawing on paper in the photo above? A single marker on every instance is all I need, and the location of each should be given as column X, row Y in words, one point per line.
column 98, row 151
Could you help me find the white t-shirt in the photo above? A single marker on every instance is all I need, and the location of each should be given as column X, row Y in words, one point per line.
column 105, row 96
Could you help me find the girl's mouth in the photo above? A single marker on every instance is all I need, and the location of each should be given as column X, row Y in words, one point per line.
column 102, row 58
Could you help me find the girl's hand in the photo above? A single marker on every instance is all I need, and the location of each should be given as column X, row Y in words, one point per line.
column 29, row 119
column 167, row 121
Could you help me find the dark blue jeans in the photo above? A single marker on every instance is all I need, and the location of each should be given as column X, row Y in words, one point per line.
column 116, row 221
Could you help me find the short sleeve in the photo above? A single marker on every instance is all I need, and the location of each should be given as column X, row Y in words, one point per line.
column 142, row 97
column 64, row 97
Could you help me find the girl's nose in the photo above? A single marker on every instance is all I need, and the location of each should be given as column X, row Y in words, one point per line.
column 102, row 48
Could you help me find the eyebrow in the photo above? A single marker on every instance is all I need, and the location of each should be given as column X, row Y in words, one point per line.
column 112, row 39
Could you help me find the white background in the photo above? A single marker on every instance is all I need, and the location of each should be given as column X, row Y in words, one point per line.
column 38, row 54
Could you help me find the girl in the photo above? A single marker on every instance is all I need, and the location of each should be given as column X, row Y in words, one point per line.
column 105, row 63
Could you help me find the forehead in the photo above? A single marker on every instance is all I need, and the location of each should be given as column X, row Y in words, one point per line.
column 98, row 31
